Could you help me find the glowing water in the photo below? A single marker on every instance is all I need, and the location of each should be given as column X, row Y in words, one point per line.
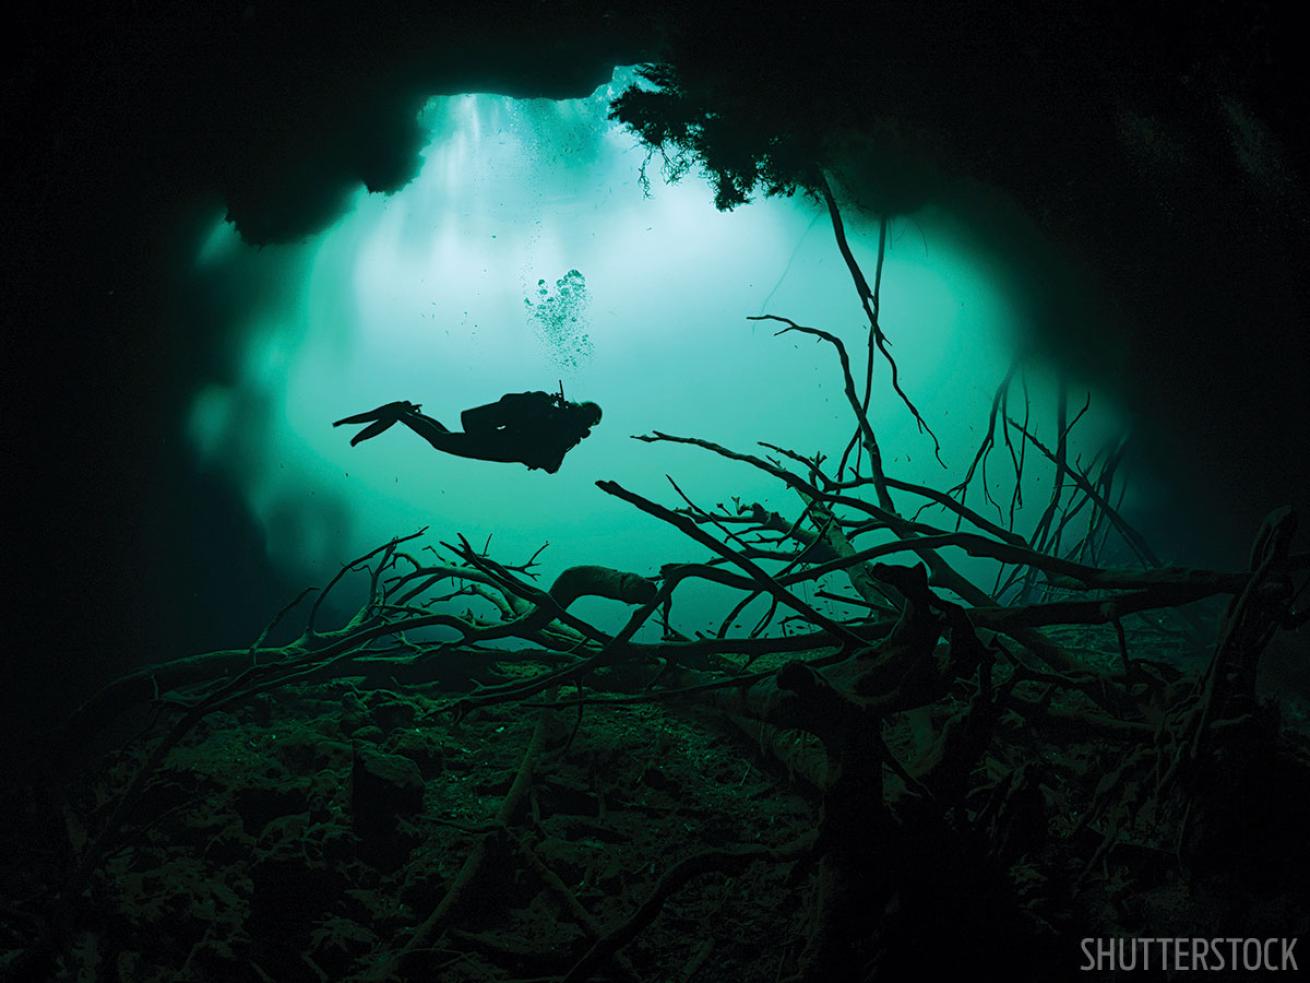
column 432, row 295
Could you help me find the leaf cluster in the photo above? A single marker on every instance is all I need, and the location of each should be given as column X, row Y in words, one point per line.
column 739, row 149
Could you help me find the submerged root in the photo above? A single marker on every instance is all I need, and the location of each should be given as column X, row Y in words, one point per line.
column 937, row 759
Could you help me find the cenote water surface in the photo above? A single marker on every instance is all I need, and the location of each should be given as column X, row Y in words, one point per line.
column 526, row 253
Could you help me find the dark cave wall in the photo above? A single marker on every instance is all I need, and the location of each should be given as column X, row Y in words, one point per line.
column 131, row 123
column 1112, row 134
column 1143, row 165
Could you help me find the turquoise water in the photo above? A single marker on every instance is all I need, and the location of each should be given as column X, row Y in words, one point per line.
column 525, row 254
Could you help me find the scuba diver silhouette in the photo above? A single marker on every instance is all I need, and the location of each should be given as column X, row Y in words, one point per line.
column 534, row 428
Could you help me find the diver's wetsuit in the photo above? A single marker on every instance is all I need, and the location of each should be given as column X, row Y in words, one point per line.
column 524, row 427
column 534, row 428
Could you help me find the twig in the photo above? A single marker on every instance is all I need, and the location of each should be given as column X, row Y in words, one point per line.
column 728, row 861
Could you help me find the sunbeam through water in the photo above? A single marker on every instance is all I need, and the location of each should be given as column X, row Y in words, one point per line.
column 525, row 255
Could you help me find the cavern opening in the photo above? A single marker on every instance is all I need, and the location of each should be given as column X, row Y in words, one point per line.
column 849, row 530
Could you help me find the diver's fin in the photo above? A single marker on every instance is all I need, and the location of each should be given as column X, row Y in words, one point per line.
column 371, row 431
column 368, row 417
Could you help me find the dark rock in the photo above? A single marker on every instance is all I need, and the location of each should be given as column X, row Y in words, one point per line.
column 351, row 722
column 350, row 703
column 289, row 891
column 561, row 797
column 392, row 714
column 655, row 778
column 336, row 844
column 384, row 788
column 494, row 784
column 566, row 859
column 260, row 805
column 423, row 888
column 229, row 845
column 261, row 709
column 327, row 795
column 371, row 734
column 354, row 714
column 290, row 828
column 337, row 942
column 421, row 748
column 306, row 751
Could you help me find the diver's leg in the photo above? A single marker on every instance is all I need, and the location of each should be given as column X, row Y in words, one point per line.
column 480, row 447
column 434, row 432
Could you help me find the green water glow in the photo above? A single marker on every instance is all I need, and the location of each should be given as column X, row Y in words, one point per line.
column 434, row 294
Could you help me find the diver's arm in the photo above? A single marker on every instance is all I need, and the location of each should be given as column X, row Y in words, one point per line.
column 508, row 411
column 552, row 463
column 481, row 419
